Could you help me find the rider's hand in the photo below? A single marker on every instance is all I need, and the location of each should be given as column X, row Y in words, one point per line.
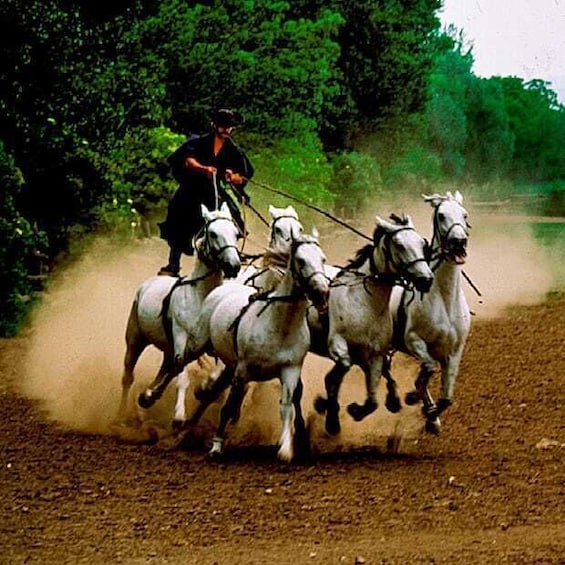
column 209, row 171
column 234, row 178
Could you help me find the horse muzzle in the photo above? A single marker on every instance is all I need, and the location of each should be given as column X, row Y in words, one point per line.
column 423, row 284
column 319, row 296
column 231, row 269
column 456, row 250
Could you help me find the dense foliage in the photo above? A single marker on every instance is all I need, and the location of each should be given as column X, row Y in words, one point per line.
column 342, row 100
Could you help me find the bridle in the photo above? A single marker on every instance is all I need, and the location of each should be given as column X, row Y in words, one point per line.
column 206, row 252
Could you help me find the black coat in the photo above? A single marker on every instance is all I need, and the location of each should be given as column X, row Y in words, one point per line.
column 184, row 215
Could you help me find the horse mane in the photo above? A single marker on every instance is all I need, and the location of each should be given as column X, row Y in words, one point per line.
column 361, row 256
column 365, row 252
column 272, row 258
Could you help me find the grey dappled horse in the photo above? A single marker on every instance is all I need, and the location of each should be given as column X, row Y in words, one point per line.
column 262, row 336
column 434, row 327
column 358, row 327
column 165, row 308
column 284, row 228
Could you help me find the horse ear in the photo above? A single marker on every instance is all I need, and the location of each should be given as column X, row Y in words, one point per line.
column 409, row 221
column 272, row 211
column 224, row 209
column 434, row 199
column 291, row 212
column 205, row 212
column 458, row 197
column 381, row 223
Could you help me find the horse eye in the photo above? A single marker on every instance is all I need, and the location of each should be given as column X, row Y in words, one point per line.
column 441, row 217
column 213, row 235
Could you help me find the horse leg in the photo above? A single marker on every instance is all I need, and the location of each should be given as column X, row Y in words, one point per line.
column 183, row 382
column 155, row 390
column 134, row 349
column 449, row 372
column 301, row 437
column 392, row 401
column 330, row 405
column 218, row 386
column 205, row 387
column 372, row 372
column 290, row 377
column 230, row 411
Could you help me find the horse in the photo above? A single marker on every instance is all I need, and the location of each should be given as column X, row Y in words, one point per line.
column 358, row 326
column 165, row 308
column 284, row 228
column 434, row 327
column 262, row 336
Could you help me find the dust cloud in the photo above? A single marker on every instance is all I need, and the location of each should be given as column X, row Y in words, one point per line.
column 76, row 340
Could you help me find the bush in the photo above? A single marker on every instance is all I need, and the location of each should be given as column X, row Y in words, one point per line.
column 20, row 240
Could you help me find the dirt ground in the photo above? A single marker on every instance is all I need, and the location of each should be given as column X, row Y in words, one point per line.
column 489, row 489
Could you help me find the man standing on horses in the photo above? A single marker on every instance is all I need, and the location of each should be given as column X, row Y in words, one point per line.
column 200, row 165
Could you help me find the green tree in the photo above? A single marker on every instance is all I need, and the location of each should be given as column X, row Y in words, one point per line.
column 537, row 122
column 19, row 240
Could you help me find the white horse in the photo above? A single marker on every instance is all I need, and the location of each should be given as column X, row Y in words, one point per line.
column 284, row 228
column 434, row 327
column 263, row 336
column 358, row 328
column 165, row 308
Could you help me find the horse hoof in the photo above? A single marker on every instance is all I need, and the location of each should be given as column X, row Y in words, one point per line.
column 433, row 426
column 360, row 411
column 202, row 394
column 333, row 427
column 443, row 404
column 392, row 404
column 145, row 401
column 178, row 425
column 412, row 398
column 321, row 404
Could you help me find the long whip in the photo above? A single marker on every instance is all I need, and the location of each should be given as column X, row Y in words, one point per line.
column 311, row 206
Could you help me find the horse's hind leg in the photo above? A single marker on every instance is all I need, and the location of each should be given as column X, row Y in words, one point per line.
column 183, row 382
column 134, row 349
column 155, row 390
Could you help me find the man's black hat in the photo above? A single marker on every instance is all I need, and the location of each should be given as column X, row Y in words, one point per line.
column 226, row 118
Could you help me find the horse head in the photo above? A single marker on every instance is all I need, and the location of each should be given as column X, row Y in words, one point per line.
column 450, row 226
column 285, row 227
column 400, row 252
column 216, row 243
column 306, row 263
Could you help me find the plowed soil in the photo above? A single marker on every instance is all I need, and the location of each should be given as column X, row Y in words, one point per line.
column 489, row 489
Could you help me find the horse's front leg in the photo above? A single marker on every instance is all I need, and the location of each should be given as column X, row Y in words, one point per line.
column 220, row 384
column 372, row 372
column 449, row 372
column 230, row 412
column 330, row 405
column 301, row 440
column 392, row 401
column 290, row 377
